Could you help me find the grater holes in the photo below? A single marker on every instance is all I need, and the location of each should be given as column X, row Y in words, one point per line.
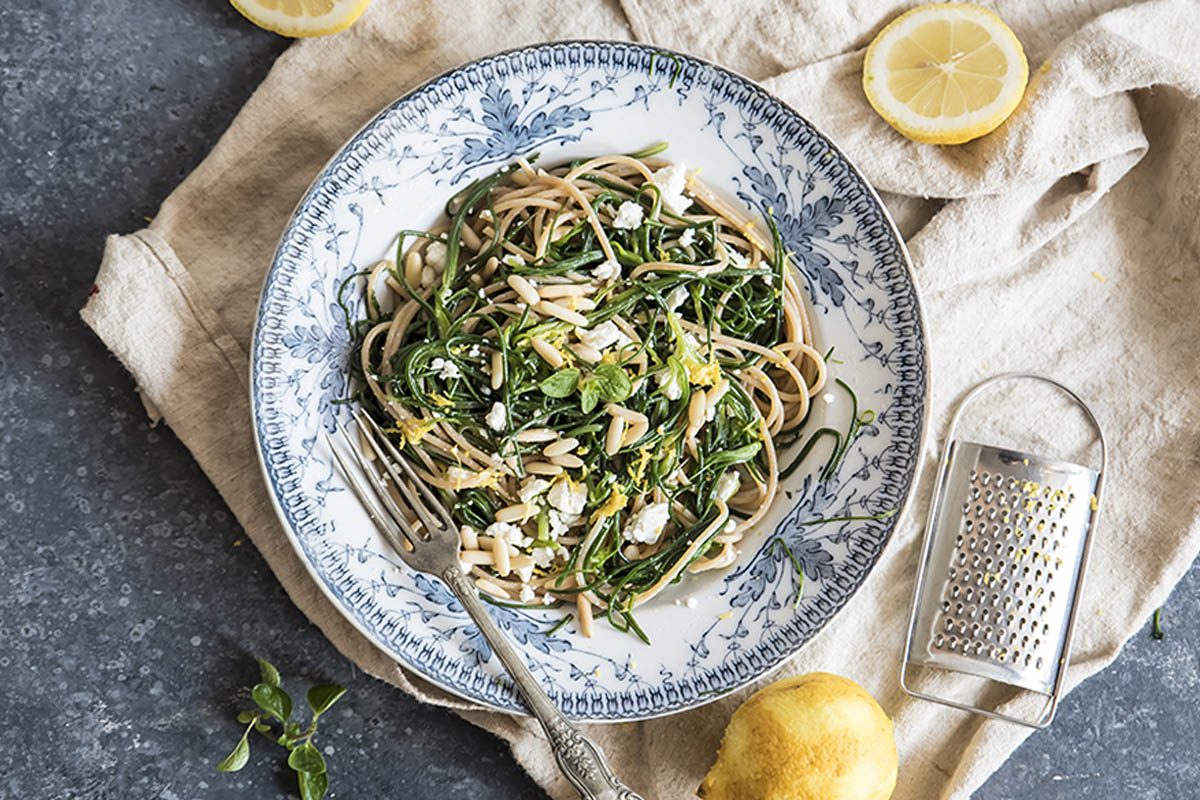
column 973, row 476
column 974, row 493
column 955, row 590
column 978, row 511
column 1040, row 662
column 939, row 640
column 945, row 606
column 971, row 543
column 952, row 573
column 984, row 478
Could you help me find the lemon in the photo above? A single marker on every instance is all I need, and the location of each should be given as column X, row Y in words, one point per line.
column 945, row 73
column 299, row 18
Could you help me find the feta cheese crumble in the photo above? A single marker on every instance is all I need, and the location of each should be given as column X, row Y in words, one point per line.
column 671, row 180
column 607, row 270
column 513, row 260
column 646, row 526
column 670, row 386
column 629, row 216
column 687, row 237
column 497, row 418
column 445, row 368
column 435, row 256
column 504, row 530
column 532, row 488
column 602, row 336
column 728, row 485
column 567, row 496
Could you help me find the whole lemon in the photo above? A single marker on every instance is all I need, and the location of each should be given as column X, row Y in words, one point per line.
column 812, row 737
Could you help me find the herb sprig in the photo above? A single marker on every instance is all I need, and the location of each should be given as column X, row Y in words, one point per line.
column 275, row 709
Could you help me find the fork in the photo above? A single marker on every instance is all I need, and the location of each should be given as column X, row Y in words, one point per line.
column 434, row 550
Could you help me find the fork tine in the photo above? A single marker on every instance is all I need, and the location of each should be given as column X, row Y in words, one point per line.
column 431, row 500
column 379, row 484
column 431, row 523
column 399, row 538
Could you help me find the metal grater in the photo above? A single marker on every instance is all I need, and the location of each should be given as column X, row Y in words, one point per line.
column 1002, row 564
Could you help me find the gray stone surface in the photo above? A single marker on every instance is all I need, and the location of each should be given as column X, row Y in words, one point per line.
column 132, row 605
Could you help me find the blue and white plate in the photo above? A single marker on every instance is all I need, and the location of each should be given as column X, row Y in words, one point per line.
column 711, row 633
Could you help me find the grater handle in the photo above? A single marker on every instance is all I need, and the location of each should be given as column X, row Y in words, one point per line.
column 1030, row 376
column 1048, row 712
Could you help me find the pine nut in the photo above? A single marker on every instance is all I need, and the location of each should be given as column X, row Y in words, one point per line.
column 537, row 435
column 624, row 413
column 585, row 614
column 551, row 309
column 696, row 410
column 587, row 353
column 524, row 288
column 516, row 513
column 636, row 431
column 490, row 267
column 495, row 591
column 469, row 237
column 546, row 351
column 561, row 447
column 555, row 290
column 476, row 557
column 543, row 468
column 413, row 264
column 500, row 554
column 497, row 369
column 568, row 460
column 470, row 538
column 616, row 432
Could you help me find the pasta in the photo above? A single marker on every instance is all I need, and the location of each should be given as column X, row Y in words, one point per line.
column 595, row 365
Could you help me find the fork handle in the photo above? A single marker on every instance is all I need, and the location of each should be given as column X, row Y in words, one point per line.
column 581, row 761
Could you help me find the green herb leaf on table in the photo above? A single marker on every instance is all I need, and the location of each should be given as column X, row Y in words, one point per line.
column 238, row 758
column 561, row 383
column 273, row 700
column 246, row 716
column 270, row 675
column 306, row 758
column 320, row 698
column 313, row 785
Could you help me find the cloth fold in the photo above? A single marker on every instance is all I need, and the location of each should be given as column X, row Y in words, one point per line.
column 1065, row 242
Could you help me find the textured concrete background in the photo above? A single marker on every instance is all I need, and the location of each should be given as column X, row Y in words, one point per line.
column 132, row 605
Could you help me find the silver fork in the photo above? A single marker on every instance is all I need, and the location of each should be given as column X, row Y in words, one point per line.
column 434, row 550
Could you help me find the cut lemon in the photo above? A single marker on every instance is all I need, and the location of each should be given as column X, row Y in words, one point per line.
column 945, row 73
column 302, row 18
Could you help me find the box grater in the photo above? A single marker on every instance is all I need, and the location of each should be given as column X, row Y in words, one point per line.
column 1002, row 564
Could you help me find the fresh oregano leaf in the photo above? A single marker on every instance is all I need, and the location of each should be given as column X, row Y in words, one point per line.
column 246, row 716
column 238, row 758
column 306, row 758
column 313, row 785
column 292, row 729
column 561, row 383
column 320, row 698
column 262, row 727
column 613, row 383
column 589, row 395
column 273, row 700
column 283, row 739
column 270, row 675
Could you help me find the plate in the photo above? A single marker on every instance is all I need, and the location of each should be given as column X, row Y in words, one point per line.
column 712, row 632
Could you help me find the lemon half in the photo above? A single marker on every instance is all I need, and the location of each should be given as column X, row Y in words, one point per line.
column 302, row 18
column 945, row 73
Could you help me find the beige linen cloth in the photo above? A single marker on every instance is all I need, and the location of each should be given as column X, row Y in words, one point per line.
column 1064, row 242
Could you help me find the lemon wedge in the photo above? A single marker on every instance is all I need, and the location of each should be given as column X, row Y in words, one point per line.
column 302, row 18
column 945, row 73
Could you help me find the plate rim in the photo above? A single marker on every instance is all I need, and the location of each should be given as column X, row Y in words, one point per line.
column 919, row 443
